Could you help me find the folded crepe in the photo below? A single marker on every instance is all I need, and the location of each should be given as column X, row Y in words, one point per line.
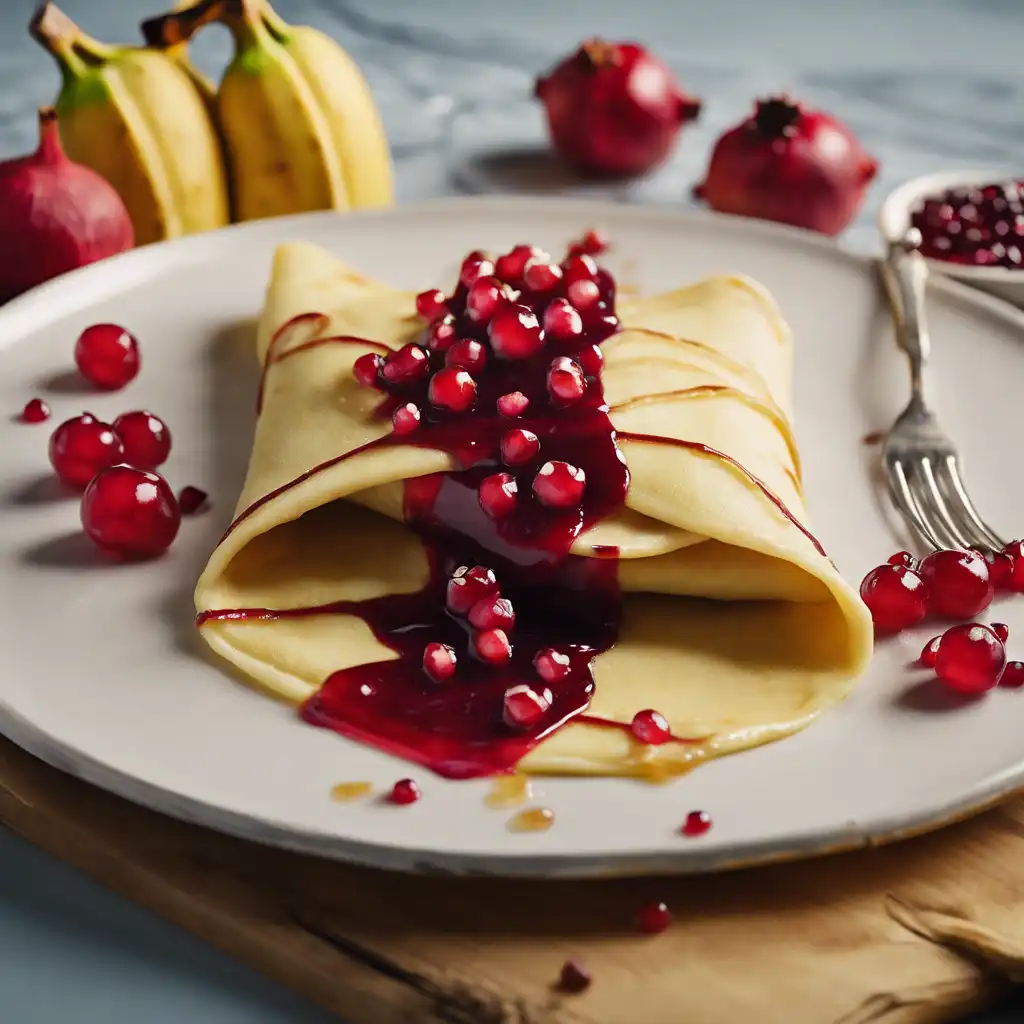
column 735, row 624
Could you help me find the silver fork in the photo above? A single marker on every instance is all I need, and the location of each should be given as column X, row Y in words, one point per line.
column 922, row 466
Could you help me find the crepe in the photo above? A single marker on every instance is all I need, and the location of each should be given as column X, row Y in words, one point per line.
column 735, row 625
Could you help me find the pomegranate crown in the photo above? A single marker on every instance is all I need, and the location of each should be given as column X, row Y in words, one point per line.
column 776, row 116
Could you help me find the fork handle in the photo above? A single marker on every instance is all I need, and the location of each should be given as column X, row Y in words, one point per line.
column 905, row 272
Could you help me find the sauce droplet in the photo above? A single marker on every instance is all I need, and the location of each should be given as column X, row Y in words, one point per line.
column 509, row 791
column 533, row 819
column 697, row 823
column 345, row 791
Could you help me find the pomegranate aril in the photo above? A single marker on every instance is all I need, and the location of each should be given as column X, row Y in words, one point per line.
column 467, row 586
column 130, row 512
column 515, row 403
column 1001, row 630
column 492, row 646
column 650, row 726
column 515, row 333
column 654, row 918
column 565, row 381
column 583, row 294
column 930, row 651
column 439, row 662
column 81, row 447
column 574, row 977
column 958, row 583
column 591, row 360
column 441, row 334
column 904, row 558
column 494, row 613
column 697, row 823
column 559, row 485
column 512, row 266
column 406, row 418
column 1000, row 569
column 452, row 388
column 431, row 304
column 1013, row 675
column 498, row 495
column 409, row 363
column 474, row 266
column 562, row 321
column 896, row 597
column 593, row 243
column 191, row 500
column 468, row 354
column 551, row 665
column 145, row 437
column 107, row 355
column 518, row 446
column 404, row 792
column 523, row 707
column 366, row 369
column 1015, row 549
column 579, row 267
column 970, row 658
column 542, row 277
column 35, row 411
column 484, row 299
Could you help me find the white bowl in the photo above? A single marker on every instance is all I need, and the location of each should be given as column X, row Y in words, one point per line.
column 894, row 219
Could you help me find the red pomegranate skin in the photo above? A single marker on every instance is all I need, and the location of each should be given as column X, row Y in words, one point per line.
column 55, row 215
column 811, row 173
column 613, row 109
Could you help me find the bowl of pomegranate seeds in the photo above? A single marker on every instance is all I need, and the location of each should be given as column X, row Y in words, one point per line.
column 971, row 225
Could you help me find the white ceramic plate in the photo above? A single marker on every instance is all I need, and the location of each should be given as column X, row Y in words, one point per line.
column 102, row 673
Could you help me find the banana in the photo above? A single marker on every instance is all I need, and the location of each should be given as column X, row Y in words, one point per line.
column 134, row 116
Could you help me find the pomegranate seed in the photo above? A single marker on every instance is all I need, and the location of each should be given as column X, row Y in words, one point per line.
column 1015, row 550
column 81, row 447
column 565, row 381
column 452, row 388
column 494, row 613
column 439, row 662
column 551, row 665
column 512, row 266
column 441, row 334
column 474, row 266
column 559, row 485
column 484, row 298
column 406, row 418
column 1013, row 675
column 650, row 727
column 404, row 792
column 191, row 500
column 654, row 918
column 904, row 558
column 593, row 243
column 1001, row 630
column 1000, row 568
column 431, row 304
column 467, row 586
column 542, row 277
column 591, row 360
column 146, row 439
column 107, row 355
column 498, row 495
column 366, row 369
column 492, row 646
column 518, row 446
column 929, row 651
column 130, row 512
column 579, row 267
column 35, row 411
column 574, row 977
column 896, row 597
column 409, row 363
column 515, row 333
column 515, row 403
column 697, row 823
column 468, row 354
column 562, row 321
column 524, row 707
column 583, row 294
column 970, row 658
column 958, row 583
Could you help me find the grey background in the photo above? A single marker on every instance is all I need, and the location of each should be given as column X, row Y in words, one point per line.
column 926, row 84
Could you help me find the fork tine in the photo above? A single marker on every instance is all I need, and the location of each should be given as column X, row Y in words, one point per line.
column 949, row 472
column 943, row 522
column 905, row 502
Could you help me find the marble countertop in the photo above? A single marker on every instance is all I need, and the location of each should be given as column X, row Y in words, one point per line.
column 925, row 84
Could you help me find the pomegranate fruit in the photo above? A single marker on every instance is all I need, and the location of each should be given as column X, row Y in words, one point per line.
column 468, row 354
column 565, row 381
column 130, row 512
column 789, row 164
column 441, row 334
column 584, row 295
column 650, row 726
column 697, row 823
column 409, row 363
column 929, row 651
column 1001, row 630
column 191, row 500
column 366, row 370
column 35, row 411
column 515, row 333
column 519, row 446
column 145, row 437
column 498, row 495
column 492, row 646
column 970, row 658
column 452, row 388
column 551, row 665
column 1015, row 550
column 55, row 215
column 958, row 583
column 484, row 298
column 574, row 977
column 654, row 918
column 1013, row 675
column 107, row 355
column 494, row 613
column 896, row 597
column 406, row 418
column 404, row 792
column 562, row 321
column 1000, row 569
column 593, row 243
column 541, row 278
column 523, row 707
column 559, row 485
column 467, row 586
column 512, row 266
column 515, row 403
column 904, row 558
column 614, row 109
column 81, row 447
column 591, row 360
column 474, row 266
column 439, row 662
column 431, row 304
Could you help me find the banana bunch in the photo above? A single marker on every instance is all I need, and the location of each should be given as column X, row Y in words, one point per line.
column 140, row 117
column 301, row 128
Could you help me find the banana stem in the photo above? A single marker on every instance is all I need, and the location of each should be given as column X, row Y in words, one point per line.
column 74, row 50
column 182, row 23
column 276, row 25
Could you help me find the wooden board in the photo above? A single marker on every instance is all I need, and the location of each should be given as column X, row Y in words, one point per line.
column 915, row 933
